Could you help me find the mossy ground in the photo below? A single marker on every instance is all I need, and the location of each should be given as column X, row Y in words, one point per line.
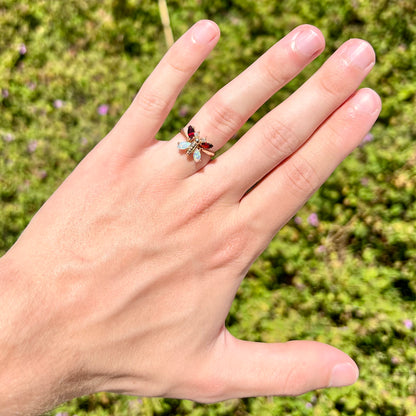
column 69, row 69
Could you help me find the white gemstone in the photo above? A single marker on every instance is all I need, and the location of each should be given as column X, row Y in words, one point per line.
column 183, row 145
column 197, row 155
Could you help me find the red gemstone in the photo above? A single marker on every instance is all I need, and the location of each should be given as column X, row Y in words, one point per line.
column 191, row 132
column 206, row 145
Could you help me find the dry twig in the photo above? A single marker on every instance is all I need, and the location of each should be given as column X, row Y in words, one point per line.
column 164, row 15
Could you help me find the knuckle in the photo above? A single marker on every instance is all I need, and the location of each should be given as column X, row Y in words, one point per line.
column 231, row 251
column 203, row 199
column 280, row 76
column 287, row 382
column 292, row 383
column 223, row 118
column 181, row 58
column 232, row 243
column 279, row 140
column 332, row 83
column 151, row 103
column 336, row 132
column 301, row 176
column 180, row 65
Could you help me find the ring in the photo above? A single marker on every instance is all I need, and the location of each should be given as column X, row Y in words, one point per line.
column 195, row 144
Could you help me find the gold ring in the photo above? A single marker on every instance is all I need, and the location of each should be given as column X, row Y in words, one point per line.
column 195, row 144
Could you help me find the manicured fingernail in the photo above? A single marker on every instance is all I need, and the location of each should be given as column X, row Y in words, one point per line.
column 366, row 101
column 204, row 31
column 307, row 42
column 343, row 375
column 361, row 56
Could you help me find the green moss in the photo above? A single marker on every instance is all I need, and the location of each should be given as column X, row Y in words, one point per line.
column 349, row 282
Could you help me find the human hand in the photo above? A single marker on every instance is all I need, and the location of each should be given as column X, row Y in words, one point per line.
column 123, row 280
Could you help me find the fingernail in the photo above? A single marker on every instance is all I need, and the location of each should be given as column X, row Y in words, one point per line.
column 307, row 42
column 366, row 101
column 204, row 31
column 343, row 375
column 361, row 56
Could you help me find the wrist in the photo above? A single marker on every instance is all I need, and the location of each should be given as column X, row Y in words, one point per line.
column 34, row 365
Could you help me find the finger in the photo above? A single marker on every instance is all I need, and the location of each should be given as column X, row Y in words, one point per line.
column 152, row 104
column 289, row 185
column 223, row 115
column 288, row 126
column 246, row 369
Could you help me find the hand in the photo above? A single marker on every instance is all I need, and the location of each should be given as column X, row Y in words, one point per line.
column 123, row 280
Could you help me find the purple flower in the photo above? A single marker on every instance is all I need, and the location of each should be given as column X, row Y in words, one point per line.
column 367, row 138
column 321, row 249
column 135, row 405
column 408, row 323
column 364, row 181
column 298, row 220
column 31, row 147
column 103, row 109
column 42, row 174
column 395, row 360
column 313, row 219
column 4, row 92
column 22, row 49
column 8, row 137
column 183, row 111
column 309, row 405
column 58, row 103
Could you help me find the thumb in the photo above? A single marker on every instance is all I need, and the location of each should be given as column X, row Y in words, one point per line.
column 247, row 369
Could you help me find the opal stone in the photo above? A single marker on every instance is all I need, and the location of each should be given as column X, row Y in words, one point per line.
column 197, row 155
column 183, row 145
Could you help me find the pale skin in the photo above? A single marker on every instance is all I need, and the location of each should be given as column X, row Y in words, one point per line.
column 123, row 280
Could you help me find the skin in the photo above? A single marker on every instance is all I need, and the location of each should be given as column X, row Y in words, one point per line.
column 123, row 280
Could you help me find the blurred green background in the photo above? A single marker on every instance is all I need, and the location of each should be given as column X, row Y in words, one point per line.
column 342, row 271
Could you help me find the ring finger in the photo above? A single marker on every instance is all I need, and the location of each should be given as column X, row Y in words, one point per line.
column 224, row 114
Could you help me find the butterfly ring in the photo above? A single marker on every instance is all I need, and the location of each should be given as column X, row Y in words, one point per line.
column 195, row 144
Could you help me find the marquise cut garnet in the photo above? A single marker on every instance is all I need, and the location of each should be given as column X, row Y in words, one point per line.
column 206, row 145
column 191, row 132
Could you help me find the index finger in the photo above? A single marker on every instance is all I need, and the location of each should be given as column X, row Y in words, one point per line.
column 156, row 97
